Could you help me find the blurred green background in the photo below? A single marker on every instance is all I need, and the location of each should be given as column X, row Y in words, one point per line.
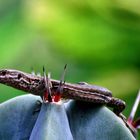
column 99, row 40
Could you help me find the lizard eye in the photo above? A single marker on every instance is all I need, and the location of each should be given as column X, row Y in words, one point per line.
column 3, row 73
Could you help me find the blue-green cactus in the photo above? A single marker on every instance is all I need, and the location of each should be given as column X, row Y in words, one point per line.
column 22, row 118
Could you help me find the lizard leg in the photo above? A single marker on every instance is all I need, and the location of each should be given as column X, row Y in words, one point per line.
column 59, row 90
column 117, row 105
column 131, row 126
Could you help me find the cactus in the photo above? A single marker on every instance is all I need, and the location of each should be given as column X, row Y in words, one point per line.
column 22, row 118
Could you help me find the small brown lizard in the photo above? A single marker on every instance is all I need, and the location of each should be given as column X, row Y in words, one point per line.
column 82, row 91
column 53, row 90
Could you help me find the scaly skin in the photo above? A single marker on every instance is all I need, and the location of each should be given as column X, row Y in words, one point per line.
column 82, row 91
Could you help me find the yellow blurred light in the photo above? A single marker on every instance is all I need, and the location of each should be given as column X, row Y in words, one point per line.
column 41, row 11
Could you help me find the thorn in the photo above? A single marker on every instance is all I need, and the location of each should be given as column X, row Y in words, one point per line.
column 59, row 91
column 38, row 74
column 65, row 66
column 48, row 84
column 136, row 123
column 45, row 78
column 32, row 71
column 62, row 81
column 48, row 76
column 43, row 69
column 49, row 98
column 134, row 108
